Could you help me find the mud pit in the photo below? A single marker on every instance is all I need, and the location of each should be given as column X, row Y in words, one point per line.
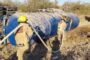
column 75, row 47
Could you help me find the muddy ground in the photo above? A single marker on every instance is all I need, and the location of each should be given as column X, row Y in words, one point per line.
column 75, row 47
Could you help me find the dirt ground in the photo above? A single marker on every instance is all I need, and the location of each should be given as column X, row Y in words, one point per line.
column 75, row 47
column 77, row 44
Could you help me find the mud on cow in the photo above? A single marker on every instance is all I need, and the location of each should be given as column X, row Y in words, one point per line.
column 47, row 25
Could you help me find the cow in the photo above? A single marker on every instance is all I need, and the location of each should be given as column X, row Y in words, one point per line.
column 47, row 25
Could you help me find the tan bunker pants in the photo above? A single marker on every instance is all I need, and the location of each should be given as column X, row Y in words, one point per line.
column 22, row 40
column 61, row 33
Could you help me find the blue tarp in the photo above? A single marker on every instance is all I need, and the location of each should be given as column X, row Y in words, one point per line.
column 54, row 24
column 75, row 21
column 11, row 25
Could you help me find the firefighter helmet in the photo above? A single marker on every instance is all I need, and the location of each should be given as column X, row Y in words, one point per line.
column 22, row 19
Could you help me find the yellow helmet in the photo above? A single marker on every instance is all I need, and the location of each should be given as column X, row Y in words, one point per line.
column 22, row 19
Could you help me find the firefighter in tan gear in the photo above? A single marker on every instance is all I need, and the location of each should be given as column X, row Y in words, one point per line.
column 22, row 38
column 61, row 33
